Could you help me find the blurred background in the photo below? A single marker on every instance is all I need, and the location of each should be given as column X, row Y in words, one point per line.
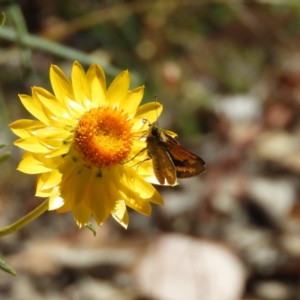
column 228, row 75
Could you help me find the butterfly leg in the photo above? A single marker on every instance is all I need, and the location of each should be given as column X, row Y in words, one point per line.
column 140, row 152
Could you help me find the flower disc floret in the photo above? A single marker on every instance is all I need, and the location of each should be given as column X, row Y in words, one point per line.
column 103, row 137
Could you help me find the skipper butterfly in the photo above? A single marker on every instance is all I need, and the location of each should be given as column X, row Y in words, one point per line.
column 170, row 161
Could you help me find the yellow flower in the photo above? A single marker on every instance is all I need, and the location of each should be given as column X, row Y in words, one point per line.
column 84, row 146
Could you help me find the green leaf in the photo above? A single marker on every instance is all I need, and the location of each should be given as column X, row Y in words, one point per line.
column 4, row 157
column 91, row 228
column 6, row 268
column 2, row 146
column 2, row 19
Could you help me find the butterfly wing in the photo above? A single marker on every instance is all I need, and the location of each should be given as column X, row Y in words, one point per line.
column 163, row 166
column 170, row 161
column 186, row 163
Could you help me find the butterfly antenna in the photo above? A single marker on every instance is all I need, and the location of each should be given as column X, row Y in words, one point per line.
column 144, row 120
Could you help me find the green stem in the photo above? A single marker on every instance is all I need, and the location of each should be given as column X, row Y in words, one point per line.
column 36, row 42
column 25, row 220
column 14, row 13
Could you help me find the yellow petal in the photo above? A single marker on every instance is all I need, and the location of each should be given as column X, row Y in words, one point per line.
column 145, row 168
column 156, row 198
column 31, row 144
column 65, row 208
column 95, row 71
column 81, row 213
column 150, row 111
column 22, row 128
column 52, row 143
column 75, row 110
column 63, row 149
column 52, row 108
column 67, row 190
column 52, row 132
column 30, row 165
column 97, row 84
column 96, row 200
column 55, row 201
column 134, row 201
column 68, row 168
column 49, row 180
column 43, row 193
column 132, row 100
column 61, row 85
column 33, row 105
column 82, row 182
column 80, row 85
column 129, row 193
column 135, row 182
column 120, row 213
column 118, row 88
column 51, row 163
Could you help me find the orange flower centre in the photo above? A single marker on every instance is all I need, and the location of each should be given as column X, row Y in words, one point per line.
column 103, row 137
